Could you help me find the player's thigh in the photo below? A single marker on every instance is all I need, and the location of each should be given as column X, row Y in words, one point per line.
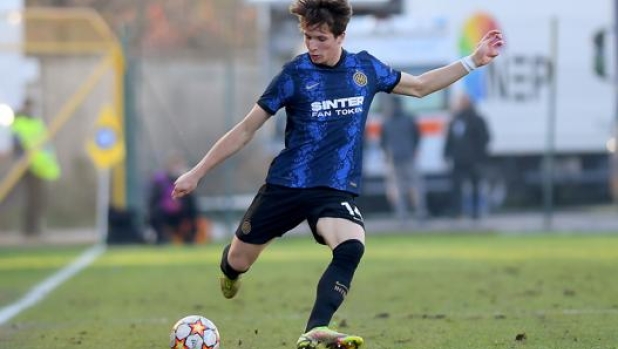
column 242, row 255
column 334, row 217
column 271, row 214
column 337, row 230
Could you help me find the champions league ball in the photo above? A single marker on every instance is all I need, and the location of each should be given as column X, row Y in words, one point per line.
column 194, row 332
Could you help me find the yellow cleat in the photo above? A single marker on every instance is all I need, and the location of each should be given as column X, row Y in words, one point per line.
column 323, row 337
column 229, row 287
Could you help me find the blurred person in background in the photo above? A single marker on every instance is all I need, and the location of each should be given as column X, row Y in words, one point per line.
column 466, row 149
column 400, row 139
column 169, row 218
column 326, row 93
column 30, row 139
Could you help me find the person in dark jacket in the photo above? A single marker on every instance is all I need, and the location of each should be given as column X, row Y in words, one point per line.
column 466, row 149
column 400, row 139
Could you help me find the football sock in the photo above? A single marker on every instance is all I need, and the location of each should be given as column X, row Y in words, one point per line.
column 226, row 268
column 335, row 282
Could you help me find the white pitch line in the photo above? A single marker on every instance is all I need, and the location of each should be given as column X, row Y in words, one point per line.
column 41, row 290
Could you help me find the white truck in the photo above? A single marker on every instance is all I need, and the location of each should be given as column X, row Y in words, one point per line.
column 541, row 94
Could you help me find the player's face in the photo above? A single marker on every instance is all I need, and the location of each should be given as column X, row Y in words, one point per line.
column 322, row 45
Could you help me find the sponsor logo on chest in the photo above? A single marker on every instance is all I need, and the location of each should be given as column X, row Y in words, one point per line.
column 338, row 107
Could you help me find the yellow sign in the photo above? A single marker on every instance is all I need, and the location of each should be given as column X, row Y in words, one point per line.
column 106, row 145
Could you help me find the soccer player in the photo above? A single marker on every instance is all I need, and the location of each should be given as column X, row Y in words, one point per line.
column 326, row 93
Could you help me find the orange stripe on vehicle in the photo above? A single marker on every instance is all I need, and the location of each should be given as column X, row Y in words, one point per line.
column 431, row 127
column 373, row 130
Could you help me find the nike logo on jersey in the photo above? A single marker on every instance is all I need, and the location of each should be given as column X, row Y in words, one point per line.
column 312, row 86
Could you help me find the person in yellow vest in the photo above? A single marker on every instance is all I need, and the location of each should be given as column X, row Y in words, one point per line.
column 30, row 139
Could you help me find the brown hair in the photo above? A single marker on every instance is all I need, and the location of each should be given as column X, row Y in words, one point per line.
column 334, row 13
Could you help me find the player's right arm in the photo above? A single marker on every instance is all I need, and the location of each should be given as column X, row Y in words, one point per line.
column 230, row 143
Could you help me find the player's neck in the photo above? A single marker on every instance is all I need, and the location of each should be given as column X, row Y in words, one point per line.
column 335, row 61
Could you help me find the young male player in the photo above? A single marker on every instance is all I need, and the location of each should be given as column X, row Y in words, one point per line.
column 326, row 94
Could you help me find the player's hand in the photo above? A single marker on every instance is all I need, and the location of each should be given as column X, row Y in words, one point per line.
column 185, row 184
column 488, row 48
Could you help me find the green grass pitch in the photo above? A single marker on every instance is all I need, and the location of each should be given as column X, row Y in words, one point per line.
column 459, row 291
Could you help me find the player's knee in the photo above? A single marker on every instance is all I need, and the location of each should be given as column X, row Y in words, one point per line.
column 241, row 256
column 230, row 268
column 350, row 252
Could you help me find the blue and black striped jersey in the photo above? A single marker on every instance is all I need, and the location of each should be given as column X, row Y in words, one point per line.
column 326, row 111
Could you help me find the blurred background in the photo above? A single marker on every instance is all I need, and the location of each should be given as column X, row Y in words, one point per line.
column 123, row 85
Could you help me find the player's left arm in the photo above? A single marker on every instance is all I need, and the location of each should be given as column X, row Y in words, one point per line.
column 230, row 143
column 418, row 86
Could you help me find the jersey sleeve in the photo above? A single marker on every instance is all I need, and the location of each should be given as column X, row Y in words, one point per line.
column 277, row 93
column 387, row 77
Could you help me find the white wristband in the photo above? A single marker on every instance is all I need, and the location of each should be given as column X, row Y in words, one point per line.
column 468, row 63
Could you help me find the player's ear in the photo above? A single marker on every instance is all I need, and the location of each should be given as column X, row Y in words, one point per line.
column 340, row 38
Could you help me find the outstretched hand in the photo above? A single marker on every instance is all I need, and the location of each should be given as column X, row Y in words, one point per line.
column 488, row 48
column 184, row 185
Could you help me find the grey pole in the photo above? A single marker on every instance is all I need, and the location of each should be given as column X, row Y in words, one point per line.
column 548, row 168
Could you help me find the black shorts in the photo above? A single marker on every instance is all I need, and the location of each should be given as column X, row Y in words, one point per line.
column 275, row 210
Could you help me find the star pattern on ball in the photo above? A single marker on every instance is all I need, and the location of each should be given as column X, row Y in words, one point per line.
column 198, row 327
column 179, row 344
column 194, row 332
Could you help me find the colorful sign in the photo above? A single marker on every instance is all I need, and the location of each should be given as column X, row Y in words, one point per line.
column 474, row 29
column 106, row 146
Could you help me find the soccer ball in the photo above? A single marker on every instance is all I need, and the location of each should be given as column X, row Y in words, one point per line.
column 194, row 332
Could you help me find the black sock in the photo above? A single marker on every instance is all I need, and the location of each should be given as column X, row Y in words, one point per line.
column 226, row 268
column 335, row 282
